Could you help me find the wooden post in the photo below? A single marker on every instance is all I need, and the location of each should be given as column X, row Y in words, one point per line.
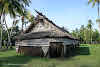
column 70, row 51
column 48, row 53
column 64, row 50
column 62, row 54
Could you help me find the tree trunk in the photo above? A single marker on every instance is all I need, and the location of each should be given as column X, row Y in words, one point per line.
column 91, row 36
column 1, row 33
column 12, row 28
column 98, row 8
column 22, row 26
column 98, row 13
column 22, row 23
column 9, row 38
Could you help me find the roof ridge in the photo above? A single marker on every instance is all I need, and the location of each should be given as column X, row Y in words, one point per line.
column 50, row 21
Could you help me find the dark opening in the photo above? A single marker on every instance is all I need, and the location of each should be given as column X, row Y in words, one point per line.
column 55, row 49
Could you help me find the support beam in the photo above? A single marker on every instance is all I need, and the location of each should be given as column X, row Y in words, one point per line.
column 62, row 54
column 65, row 48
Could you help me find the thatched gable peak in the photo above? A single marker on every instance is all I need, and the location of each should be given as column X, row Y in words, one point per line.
column 40, row 16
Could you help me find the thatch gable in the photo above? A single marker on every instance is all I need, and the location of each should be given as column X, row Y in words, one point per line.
column 36, row 21
column 45, row 38
column 29, row 34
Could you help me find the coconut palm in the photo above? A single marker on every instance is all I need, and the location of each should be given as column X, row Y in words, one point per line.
column 94, row 2
column 13, row 8
column 89, row 26
column 26, row 18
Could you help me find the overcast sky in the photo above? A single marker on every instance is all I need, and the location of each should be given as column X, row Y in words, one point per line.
column 68, row 13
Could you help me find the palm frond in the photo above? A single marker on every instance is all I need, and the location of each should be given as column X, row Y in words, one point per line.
column 93, row 4
column 90, row 1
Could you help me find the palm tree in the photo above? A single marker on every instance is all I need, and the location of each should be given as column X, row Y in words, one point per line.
column 94, row 2
column 13, row 8
column 89, row 26
column 26, row 18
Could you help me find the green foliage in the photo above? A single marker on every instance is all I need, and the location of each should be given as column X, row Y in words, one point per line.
column 13, row 7
column 95, row 2
column 26, row 18
column 87, row 34
column 96, row 35
column 80, row 60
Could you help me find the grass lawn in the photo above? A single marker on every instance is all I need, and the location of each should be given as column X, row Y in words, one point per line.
column 87, row 56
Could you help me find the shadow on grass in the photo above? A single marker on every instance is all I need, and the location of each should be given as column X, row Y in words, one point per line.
column 25, row 59
column 15, row 61
column 75, row 52
column 78, row 51
column 84, row 66
column 82, row 51
column 5, row 49
column 20, row 61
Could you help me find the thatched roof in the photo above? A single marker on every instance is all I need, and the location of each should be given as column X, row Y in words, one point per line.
column 43, row 34
column 36, row 21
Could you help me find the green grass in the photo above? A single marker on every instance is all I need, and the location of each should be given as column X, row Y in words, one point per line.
column 86, row 56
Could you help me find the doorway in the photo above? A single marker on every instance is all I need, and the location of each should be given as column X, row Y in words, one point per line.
column 56, row 49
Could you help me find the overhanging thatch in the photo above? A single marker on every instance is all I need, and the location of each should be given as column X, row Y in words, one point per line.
column 43, row 34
